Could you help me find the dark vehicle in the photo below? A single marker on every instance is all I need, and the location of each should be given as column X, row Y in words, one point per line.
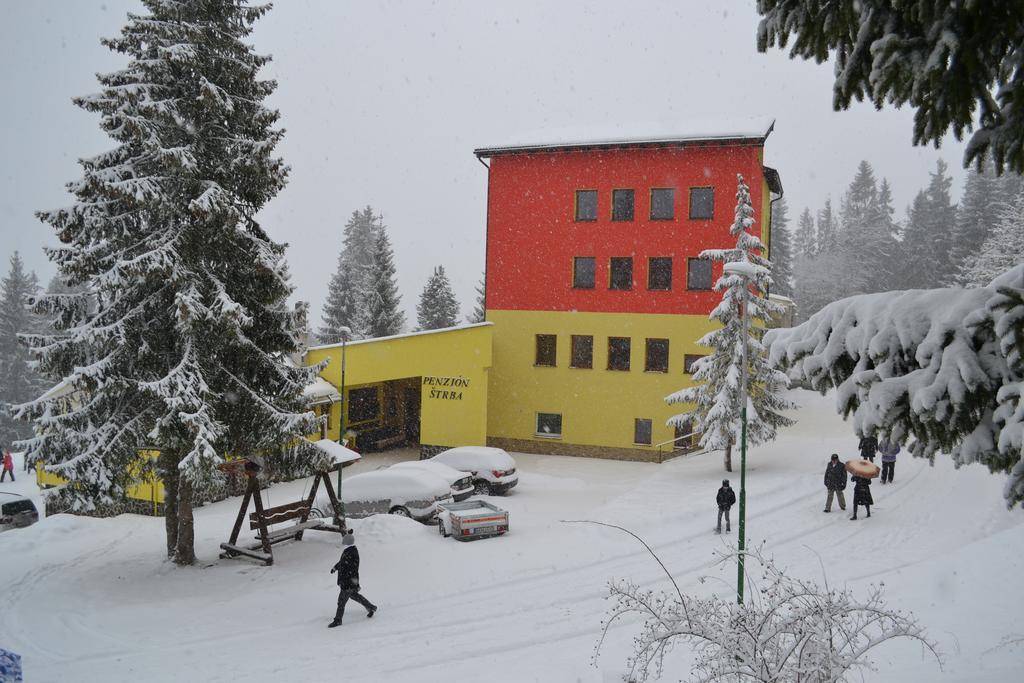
column 16, row 511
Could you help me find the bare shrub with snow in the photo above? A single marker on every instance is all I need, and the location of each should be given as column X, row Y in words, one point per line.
column 942, row 369
column 788, row 630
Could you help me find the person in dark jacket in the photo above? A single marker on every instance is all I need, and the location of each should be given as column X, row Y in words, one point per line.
column 348, row 579
column 726, row 498
column 888, row 449
column 835, row 482
column 861, row 495
column 868, row 446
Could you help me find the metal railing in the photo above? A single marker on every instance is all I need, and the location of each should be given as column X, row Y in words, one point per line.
column 661, row 446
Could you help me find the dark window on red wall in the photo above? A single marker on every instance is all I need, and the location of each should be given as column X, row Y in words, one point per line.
column 663, row 204
column 702, row 202
column 659, row 272
column 642, row 431
column 621, row 273
column 545, row 350
column 657, row 356
column 583, row 272
column 582, row 351
column 622, row 205
column 586, row 205
column 698, row 274
column 618, row 353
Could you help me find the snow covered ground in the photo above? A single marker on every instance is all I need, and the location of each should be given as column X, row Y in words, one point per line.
column 91, row 599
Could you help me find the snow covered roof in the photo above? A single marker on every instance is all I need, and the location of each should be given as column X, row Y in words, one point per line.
column 402, row 336
column 652, row 135
column 321, row 391
column 337, row 452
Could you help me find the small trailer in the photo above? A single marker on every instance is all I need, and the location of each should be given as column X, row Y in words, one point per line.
column 471, row 519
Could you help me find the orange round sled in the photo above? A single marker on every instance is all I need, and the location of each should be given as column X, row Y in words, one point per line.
column 862, row 468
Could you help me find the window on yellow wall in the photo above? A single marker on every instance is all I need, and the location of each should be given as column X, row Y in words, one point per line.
column 549, row 425
column 363, row 405
column 618, row 353
column 546, row 346
column 656, row 358
column 582, row 351
column 642, row 431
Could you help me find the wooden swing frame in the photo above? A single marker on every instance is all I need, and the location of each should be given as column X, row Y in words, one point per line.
column 263, row 518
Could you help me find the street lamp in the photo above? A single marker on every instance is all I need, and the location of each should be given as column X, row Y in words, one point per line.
column 746, row 271
column 345, row 332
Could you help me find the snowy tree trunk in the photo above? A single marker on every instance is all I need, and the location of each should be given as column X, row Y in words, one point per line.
column 728, row 457
column 184, row 553
column 168, row 469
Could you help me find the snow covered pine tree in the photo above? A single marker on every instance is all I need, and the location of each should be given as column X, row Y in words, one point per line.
column 347, row 289
column 716, row 399
column 437, row 307
column 479, row 314
column 182, row 345
column 19, row 381
column 940, row 368
column 383, row 318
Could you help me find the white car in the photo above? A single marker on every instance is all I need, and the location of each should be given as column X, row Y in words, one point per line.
column 408, row 493
column 460, row 482
column 16, row 511
column 493, row 470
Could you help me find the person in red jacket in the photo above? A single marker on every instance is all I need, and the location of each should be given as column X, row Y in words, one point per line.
column 8, row 466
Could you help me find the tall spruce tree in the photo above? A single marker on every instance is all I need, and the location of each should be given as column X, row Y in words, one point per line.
column 342, row 308
column 828, row 229
column 438, row 306
column 19, row 380
column 866, row 242
column 976, row 214
column 1002, row 249
column 918, row 268
column 179, row 342
column 929, row 235
column 479, row 313
column 781, row 250
column 806, row 240
column 383, row 317
column 716, row 400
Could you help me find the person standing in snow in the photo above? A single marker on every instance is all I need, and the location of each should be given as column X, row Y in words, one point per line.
column 835, row 482
column 348, row 579
column 868, row 445
column 726, row 498
column 888, row 449
column 861, row 495
column 8, row 466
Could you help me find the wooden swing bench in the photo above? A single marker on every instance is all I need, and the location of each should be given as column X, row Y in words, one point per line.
column 263, row 518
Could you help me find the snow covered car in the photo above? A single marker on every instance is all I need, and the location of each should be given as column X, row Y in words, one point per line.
column 460, row 482
column 16, row 511
column 493, row 470
column 408, row 493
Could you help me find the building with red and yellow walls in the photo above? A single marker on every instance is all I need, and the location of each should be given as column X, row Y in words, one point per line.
column 595, row 288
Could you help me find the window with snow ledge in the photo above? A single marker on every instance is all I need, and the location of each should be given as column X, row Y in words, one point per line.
column 583, row 269
column 663, row 202
column 642, row 431
column 702, row 203
column 546, row 345
column 657, row 356
column 621, row 276
column 659, row 273
column 586, row 205
column 698, row 274
column 618, row 353
column 622, row 205
column 582, row 351
column 549, row 425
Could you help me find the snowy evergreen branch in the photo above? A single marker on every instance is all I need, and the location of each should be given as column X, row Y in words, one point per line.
column 941, row 369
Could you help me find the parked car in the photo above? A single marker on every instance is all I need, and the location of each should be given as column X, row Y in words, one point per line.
column 460, row 482
column 408, row 493
column 493, row 470
column 16, row 511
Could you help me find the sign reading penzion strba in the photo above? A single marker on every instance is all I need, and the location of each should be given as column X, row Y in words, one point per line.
column 446, row 388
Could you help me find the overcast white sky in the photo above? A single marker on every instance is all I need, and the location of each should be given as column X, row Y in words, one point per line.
column 384, row 102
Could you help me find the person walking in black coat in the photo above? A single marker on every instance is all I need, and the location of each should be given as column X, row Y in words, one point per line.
column 348, row 579
column 726, row 498
column 861, row 495
column 868, row 446
column 835, row 482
